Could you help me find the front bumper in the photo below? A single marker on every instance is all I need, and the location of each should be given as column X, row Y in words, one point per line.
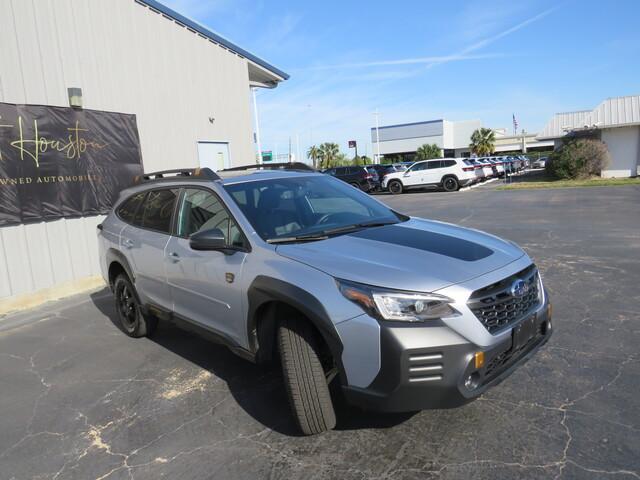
column 412, row 379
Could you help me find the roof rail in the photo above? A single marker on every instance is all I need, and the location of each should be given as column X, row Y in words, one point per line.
column 178, row 174
column 272, row 166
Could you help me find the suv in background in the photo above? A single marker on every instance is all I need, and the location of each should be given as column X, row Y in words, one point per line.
column 447, row 173
column 356, row 176
column 383, row 169
column 295, row 266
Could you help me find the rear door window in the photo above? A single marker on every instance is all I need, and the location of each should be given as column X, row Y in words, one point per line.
column 157, row 210
column 433, row 164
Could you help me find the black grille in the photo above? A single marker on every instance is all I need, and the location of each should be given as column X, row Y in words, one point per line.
column 497, row 309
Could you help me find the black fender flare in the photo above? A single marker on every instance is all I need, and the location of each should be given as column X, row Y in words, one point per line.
column 266, row 289
column 112, row 255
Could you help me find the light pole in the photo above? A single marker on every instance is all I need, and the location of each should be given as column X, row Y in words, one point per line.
column 376, row 114
column 257, row 122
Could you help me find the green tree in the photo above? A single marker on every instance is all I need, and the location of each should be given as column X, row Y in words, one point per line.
column 313, row 154
column 329, row 154
column 393, row 158
column 428, row 151
column 362, row 160
column 483, row 141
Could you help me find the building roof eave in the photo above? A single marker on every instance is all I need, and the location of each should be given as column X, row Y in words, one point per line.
column 202, row 30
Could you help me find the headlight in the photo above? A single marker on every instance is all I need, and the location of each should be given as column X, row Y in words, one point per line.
column 398, row 305
column 540, row 288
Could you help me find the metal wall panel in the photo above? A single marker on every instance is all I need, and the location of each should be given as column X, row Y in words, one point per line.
column 126, row 58
column 409, row 130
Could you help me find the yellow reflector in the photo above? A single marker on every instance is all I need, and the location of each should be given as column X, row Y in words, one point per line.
column 549, row 310
column 479, row 359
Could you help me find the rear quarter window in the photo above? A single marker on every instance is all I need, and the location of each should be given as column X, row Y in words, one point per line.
column 127, row 210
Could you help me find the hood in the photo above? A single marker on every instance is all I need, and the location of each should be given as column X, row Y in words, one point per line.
column 418, row 255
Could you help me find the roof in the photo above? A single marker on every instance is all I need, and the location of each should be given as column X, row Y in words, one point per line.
column 382, row 127
column 561, row 123
column 616, row 112
column 611, row 113
column 215, row 37
column 242, row 177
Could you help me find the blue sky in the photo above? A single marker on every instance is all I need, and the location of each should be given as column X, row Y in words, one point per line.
column 422, row 60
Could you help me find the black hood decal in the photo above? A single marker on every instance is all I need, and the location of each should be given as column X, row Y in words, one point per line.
column 428, row 241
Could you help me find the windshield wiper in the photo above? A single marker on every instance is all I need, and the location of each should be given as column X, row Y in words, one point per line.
column 355, row 226
column 324, row 234
column 299, row 238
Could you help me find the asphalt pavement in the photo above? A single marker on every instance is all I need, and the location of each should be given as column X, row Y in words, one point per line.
column 79, row 399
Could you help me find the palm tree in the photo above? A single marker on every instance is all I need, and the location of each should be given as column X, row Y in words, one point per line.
column 483, row 141
column 426, row 152
column 328, row 154
column 314, row 155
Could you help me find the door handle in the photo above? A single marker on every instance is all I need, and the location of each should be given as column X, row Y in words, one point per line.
column 174, row 257
column 127, row 243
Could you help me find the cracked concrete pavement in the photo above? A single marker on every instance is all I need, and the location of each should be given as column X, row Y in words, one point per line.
column 81, row 400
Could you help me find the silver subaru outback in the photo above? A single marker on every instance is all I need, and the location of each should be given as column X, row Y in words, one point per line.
column 280, row 262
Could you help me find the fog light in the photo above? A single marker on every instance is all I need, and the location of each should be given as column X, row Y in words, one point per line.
column 471, row 382
column 479, row 359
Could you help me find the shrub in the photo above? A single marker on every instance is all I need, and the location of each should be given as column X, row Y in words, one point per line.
column 578, row 158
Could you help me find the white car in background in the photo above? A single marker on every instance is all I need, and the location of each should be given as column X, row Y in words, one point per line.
column 447, row 173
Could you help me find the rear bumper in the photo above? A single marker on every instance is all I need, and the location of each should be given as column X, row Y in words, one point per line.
column 412, row 379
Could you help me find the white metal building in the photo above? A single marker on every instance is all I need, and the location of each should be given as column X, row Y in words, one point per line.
column 189, row 88
column 452, row 137
column 616, row 121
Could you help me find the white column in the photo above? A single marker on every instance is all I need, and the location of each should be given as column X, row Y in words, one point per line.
column 257, row 122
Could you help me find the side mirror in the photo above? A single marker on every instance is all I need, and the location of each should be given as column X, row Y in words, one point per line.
column 212, row 239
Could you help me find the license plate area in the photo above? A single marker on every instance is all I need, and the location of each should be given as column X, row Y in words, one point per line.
column 524, row 332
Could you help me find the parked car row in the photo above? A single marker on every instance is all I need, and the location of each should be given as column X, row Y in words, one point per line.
column 449, row 174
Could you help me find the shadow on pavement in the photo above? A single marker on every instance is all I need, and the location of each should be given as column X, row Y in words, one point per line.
column 257, row 389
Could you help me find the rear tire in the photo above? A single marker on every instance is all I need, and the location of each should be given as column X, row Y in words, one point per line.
column 395, row 187
column 355, row 185
column 450, row 184
column 131, row 320
column 304, row 378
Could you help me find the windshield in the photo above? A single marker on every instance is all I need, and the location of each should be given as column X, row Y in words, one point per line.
column 283, row 208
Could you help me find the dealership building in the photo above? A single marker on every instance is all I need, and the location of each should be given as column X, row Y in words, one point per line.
column 453, row 138
column 184, row 91
column 615, row 121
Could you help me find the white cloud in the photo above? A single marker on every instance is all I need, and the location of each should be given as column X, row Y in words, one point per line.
column 407, row 61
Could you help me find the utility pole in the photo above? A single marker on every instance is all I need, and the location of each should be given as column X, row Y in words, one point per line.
column 376, row 114
column 298, row 157
column 524, row 141
column 257, row 122
column 289, row 148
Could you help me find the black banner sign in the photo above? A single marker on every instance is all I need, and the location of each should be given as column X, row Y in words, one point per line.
column 60, row 162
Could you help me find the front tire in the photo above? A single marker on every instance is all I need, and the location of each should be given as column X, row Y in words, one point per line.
column 355, row 185
column 305, row 378
column 131, row 320
column 395, row 187
column 450, row 184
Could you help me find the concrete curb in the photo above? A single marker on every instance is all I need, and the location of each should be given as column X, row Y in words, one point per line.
column 35, row 299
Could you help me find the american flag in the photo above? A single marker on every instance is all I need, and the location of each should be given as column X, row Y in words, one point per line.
column 515, row 124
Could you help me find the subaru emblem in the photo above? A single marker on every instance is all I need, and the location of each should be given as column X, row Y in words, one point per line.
column 519, row 288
